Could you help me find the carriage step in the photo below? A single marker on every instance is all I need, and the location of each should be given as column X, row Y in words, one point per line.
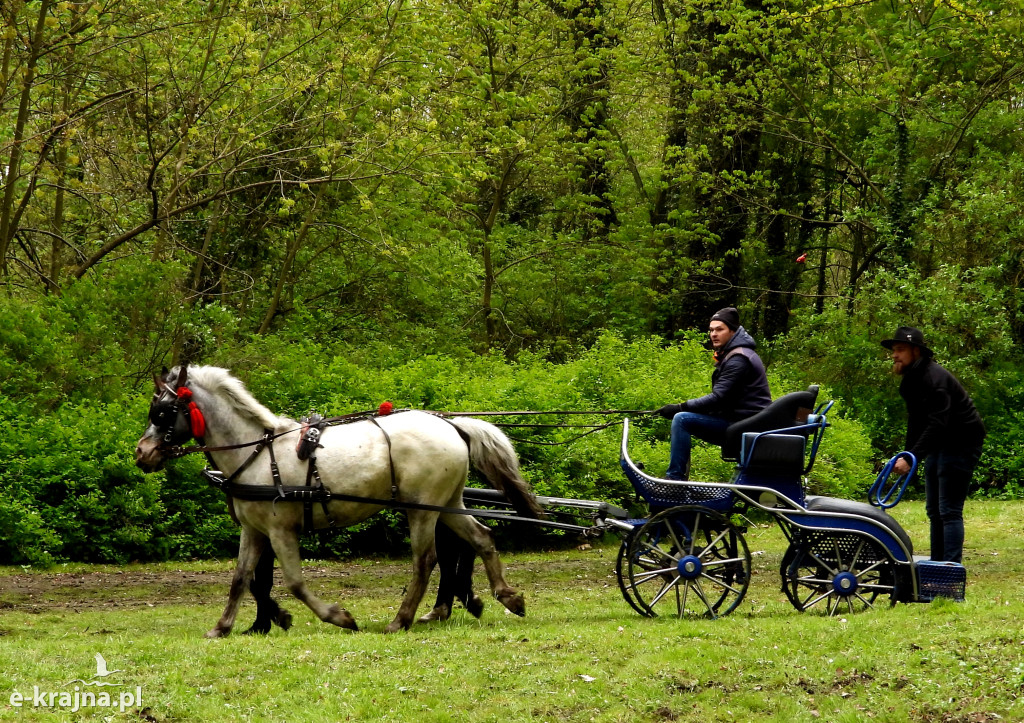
column 940, row 579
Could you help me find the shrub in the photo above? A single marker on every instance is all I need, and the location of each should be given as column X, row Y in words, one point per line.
column 71, row 490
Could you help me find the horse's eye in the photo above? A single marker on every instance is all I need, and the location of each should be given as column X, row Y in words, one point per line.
column 157, row 415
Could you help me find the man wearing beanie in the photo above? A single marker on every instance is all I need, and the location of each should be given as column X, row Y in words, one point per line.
column 739, row 389
column 945, row 430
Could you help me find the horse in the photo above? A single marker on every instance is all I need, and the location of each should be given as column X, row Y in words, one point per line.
column 414, row 457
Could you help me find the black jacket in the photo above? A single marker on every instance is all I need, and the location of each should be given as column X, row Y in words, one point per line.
column 739, row 387
column 941, row 416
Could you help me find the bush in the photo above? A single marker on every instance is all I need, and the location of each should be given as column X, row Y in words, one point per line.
column 71, row 490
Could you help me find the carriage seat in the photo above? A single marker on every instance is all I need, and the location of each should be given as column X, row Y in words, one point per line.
column 817, row 503
column 775, row 461
column 789, row 410
column 772, row 455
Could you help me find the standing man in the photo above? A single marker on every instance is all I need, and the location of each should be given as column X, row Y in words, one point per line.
column 739, row 389
column 943, row 429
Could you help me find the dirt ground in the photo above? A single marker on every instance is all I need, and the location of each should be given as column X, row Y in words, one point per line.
column 139, row 586
column 42, row 592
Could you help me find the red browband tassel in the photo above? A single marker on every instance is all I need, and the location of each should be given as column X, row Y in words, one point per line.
column 195, row 417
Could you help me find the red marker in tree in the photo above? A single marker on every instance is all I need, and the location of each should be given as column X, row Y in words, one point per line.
column 801, row 258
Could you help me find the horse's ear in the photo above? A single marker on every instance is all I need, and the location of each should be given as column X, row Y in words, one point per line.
column 183, row 375
column 159, row 383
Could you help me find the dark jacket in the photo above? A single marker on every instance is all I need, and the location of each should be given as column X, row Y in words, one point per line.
column 739, row 387
column 941, row 416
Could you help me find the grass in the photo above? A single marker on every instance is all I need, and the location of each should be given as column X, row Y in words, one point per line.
column 580, row 654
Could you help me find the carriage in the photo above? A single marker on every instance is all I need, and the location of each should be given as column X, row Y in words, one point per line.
column 689, row 555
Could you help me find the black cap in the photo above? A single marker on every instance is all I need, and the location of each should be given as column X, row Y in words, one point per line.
column 728, row 316
column 908, row 335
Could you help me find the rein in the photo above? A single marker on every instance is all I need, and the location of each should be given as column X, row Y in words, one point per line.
column 182, row 404
column 177, row 451
column 323, row 495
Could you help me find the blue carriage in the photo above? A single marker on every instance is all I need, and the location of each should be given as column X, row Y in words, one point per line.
column 689, row 556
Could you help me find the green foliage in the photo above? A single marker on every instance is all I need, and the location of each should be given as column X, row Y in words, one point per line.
column 492, row 206
column 972, row 338
column 75, row 494
column 70, row 490
column 93, row 342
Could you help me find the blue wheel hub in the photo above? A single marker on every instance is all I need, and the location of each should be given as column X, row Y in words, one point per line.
column 845, row 583
column 689, row 567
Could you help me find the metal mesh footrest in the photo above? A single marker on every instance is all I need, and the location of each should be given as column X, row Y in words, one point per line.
column 941, row 579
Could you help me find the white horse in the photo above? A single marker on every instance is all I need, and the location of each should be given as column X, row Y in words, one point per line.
column 427, row 456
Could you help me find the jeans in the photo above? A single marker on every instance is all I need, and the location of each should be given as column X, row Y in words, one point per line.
column 685, row 426
column 947, row 475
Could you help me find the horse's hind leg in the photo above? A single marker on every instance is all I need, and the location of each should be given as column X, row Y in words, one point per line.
column 421, row 534
column 268, row 612
column 286, row 545
column 250, row 546
column 479, row 536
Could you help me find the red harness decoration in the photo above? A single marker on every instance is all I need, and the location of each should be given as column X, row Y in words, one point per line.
column 385, row 409
column 195, row 417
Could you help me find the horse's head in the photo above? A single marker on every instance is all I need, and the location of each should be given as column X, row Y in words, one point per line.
column 169, row 422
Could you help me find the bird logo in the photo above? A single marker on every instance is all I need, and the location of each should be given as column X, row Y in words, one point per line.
column 101, row 672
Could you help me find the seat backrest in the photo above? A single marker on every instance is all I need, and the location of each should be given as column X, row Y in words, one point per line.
column 789, row 410
column 773, row 455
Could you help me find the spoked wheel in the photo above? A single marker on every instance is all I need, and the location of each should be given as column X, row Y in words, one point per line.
column 837, row 574
column 688, row 561
column 622, row 574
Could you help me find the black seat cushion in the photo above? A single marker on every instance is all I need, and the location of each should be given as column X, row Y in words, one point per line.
column 816, row 503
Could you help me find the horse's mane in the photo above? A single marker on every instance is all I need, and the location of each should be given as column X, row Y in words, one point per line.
column 220, row 383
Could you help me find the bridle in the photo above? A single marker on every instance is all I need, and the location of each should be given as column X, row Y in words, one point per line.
column 176, row 418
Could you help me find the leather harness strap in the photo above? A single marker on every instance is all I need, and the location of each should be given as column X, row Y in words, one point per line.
column 391, row 460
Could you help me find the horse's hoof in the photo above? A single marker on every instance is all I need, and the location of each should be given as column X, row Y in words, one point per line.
column 218, row 632
column 338, row 616
column 284, row 620
column 396, row 626
column 439, row 614
column 258, row 628
column 514, row 602
column 475, row 606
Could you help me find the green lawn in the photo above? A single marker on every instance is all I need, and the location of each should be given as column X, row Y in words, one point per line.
column 581, row 654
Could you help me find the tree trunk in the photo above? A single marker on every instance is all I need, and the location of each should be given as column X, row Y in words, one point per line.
column 7, row 226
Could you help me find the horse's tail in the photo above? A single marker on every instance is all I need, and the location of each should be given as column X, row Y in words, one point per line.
column 493, row 455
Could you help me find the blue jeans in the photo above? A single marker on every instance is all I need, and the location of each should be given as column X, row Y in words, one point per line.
column 685, row 426
column 947, row 475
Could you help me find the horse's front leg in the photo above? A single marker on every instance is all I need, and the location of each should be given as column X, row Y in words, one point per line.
column 455, row 558
column 421, row 533
column 479, row 536
column 268, row 612
column 250, row 546
column 286, row 545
